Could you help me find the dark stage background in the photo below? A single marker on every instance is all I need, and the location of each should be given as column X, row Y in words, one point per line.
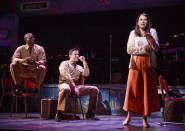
column 92, row 32
column 102, row 37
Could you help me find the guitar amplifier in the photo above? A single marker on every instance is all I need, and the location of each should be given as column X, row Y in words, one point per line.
column 48, row 108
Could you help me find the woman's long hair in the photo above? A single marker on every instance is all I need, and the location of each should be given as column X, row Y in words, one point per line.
column 148, row 26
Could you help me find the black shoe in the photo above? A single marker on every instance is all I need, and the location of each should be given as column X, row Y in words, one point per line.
column 58, row 116
column 91, row 115
column 19, row 89
column 16, row 92
column 76, row 117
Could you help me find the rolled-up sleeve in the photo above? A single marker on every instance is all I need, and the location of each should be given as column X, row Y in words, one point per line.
column 85, row 71
column 17, row 55
column 42, row 56
column 155, row 36
column 64, row 72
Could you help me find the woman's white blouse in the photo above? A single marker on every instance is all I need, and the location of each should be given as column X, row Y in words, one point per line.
column 136, row 45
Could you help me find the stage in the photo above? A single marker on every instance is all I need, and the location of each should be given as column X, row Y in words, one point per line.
column 105, row 123
column 113, row 94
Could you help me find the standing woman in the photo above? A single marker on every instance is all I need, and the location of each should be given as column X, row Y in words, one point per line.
column 141, row 93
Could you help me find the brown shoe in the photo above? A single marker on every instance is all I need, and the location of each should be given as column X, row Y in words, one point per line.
column 146, row 125
column 126, row 122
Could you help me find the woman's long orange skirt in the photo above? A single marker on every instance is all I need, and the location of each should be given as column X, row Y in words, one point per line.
column 141, row 93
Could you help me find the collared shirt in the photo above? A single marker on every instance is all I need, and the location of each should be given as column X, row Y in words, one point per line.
column 37, row 53
column 69, row 72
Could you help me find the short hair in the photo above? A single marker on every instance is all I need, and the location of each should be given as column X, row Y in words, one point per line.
column 73, row 49
column 27, row 35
